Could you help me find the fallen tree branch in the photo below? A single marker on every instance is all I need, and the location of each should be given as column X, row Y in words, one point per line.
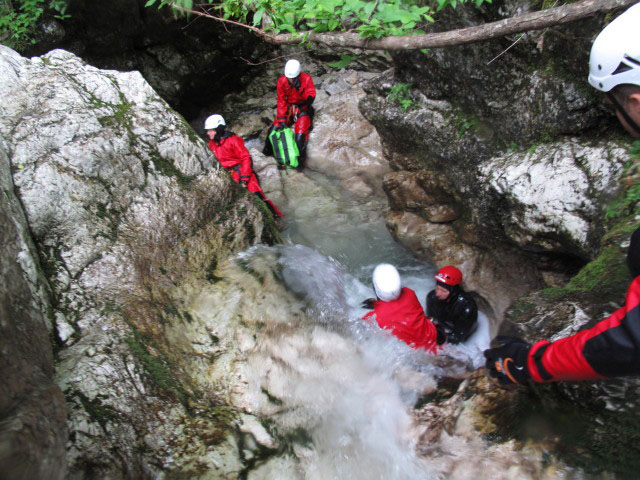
column 518, row 24
column 522, row 23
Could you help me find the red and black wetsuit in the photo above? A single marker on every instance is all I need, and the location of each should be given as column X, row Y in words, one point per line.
column 405, row 318
column 298, row 94
column 611, row 348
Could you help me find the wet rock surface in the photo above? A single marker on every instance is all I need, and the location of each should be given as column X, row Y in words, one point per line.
column 33, row 430
column 124, row 203
column 482, row 181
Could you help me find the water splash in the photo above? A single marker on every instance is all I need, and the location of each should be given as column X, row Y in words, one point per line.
column 343, row 388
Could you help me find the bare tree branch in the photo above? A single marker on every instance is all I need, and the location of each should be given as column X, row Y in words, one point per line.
column 522, row 23
column 519, row 24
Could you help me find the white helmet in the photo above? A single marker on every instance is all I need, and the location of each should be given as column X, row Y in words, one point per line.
column 292, row 69
column 386, row 282
column 615, row 54
column 213, row 122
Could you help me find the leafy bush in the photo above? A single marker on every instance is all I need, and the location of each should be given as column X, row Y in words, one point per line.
column 400, row 93
column 370, row 19
column 629, row 200
column 20, row 18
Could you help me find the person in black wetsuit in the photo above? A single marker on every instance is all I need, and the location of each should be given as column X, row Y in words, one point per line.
column 450, row 307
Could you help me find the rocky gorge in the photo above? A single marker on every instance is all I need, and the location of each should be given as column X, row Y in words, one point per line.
column 138, row 344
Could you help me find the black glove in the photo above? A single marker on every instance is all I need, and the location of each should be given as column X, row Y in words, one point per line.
column 508, row 361
column 280, row 125
column 368, row 303
column 442, row 335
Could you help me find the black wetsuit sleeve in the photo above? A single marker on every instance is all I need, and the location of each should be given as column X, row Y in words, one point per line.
column 430, row 305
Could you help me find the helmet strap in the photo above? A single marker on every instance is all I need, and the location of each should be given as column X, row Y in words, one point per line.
column 612, row 98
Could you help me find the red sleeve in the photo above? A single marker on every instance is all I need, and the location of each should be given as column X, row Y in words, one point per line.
column 283, row 105
column 610, row 348
column 308, row 88
column 243, row 156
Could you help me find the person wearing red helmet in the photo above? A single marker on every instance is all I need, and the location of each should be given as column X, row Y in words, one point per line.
column 611, row 348
column 450, row 307
column 398, row 310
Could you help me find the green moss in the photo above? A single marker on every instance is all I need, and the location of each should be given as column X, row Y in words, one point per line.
column 188, row 131
column 158, row 369
column 603, row 278
column 586, row 437
column 101, row 210
column 270, row 233
column 521, row 309
column 95, row 408
column 625, row 204
column 168, row 169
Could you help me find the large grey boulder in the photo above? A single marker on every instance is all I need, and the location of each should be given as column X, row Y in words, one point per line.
column 124, row 205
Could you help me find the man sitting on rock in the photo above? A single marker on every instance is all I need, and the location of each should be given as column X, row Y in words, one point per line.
column 398, row 310
column 450, row 307
column 296, row 92
column 232, row 154
column 611, row 348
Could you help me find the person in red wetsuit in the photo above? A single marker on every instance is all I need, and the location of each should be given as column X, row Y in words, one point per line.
column 232, row 154
column 611, row 348
column 296, row 93
column 398, row 310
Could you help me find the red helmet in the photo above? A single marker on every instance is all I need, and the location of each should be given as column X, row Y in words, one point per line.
column 449, row 275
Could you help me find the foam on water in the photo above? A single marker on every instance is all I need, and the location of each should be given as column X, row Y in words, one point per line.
column 349, row 386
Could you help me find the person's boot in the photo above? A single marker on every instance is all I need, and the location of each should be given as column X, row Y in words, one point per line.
column 301, row 142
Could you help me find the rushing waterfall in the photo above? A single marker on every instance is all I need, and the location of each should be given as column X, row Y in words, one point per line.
column 343, row 388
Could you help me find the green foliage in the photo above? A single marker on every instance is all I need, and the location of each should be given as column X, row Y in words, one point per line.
column 20, row 18
column 344, row 61
column 370, row 19
column 628, row 202
column 400, row 93
column 453, row 3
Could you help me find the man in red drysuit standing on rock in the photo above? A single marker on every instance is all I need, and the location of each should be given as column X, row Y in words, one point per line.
column 296, row 93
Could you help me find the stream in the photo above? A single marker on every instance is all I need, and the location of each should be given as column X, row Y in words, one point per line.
column 345, row 388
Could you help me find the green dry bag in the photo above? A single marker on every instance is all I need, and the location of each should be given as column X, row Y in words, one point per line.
column 285, row 149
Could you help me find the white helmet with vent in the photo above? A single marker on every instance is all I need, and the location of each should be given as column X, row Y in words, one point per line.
column 292, row 69
column 386, row 282
column 213, row 122
column 615, row 54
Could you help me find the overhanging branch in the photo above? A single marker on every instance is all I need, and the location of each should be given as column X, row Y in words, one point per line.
column 522, row 23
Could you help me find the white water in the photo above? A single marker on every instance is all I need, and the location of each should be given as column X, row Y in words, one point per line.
column 349, row 386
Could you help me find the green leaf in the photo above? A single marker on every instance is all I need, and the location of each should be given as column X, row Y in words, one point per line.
column 149, row 3
column 257, row 17
column 344, row 61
